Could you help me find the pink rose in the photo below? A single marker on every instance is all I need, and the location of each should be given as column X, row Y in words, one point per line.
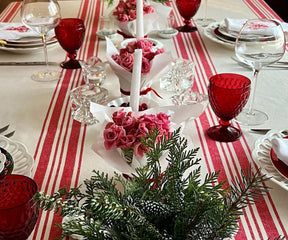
column 127, row 61
column 111, row 135
column 131, row 46
column 123, row 17
column 131, row 4
column 148, row 9
column 159, row 51
column 145, row 45
column 118, row 116
column 163, row 119
column 139, row 149
column 141, row 130
column 128, row 122
column 125, row 141
column 146, row 65
column 132, row 14
column 116, row 58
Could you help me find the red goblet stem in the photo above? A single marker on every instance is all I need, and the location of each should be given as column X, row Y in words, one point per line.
column 72, row 56
column 224, row 123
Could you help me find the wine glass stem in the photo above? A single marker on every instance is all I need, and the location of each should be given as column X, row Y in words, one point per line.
column 45, row 50
column 205, row 11
column 253, row 90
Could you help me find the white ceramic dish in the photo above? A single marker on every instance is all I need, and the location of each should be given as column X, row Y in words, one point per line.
column 168, row 34
column 209, row 33
column 21, row 50
column 261, row 155
column 23, row 161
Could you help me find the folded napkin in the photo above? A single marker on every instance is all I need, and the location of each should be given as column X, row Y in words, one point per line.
column 16, row 31
column 280, row 147
column 235, row 25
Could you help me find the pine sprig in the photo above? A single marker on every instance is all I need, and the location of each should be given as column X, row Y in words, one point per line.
column 154, row 203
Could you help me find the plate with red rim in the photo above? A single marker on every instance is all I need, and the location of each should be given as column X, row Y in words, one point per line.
column 278, row 164
column 264, row 156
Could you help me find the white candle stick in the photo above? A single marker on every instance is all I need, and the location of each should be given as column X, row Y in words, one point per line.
column 139, row 19
column 136, row 80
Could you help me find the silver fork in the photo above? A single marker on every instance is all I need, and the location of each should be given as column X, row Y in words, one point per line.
column 4, row 129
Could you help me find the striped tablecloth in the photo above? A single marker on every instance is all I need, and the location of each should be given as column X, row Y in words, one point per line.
column 61, row 147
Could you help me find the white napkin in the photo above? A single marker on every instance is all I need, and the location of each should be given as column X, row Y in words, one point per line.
column 16, row 31
column 280, row 147
column 235, row 25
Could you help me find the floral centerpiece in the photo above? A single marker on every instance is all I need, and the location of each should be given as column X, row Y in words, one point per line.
column 126, row 131
column 155, row 62
column 155, row 203
column 125, row 16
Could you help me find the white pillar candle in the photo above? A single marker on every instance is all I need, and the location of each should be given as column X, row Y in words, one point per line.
column 139, row 19
column 136, row 80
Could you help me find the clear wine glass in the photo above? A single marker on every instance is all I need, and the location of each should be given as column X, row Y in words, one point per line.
column 42, row 16
column 260, row 43
column 205, row 21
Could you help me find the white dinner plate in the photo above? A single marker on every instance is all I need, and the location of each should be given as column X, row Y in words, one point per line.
column 22, row 50
column 209, row 32
column 23, row 161
column 261, row 155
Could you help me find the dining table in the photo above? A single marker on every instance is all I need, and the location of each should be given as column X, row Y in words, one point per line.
column 61, row 148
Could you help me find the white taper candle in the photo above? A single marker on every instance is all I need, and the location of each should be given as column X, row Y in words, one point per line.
column 136, row 80
column 139, row 19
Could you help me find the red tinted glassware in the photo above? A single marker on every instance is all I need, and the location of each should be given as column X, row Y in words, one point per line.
column 70, row 35
column 18, row 211
column 228, row 93
column 187, row 9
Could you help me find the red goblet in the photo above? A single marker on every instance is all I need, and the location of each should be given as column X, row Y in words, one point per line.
column 228, row 93
column 187, row 9
column 70, row 35
column 18, row 211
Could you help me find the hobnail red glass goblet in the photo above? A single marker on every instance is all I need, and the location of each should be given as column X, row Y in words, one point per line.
column 228, row 93
column 70, row 35
column 187, row 9
column 18, row 211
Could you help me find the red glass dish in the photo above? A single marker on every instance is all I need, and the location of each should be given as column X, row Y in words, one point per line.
column 18, row 212
column 228, row 93
column 70, row 34
column 187, row 9
column 281, row 167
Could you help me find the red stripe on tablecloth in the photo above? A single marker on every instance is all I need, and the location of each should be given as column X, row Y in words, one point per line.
column 261, row 9
column 216, row 148
column 67, row 151
column 10, row 11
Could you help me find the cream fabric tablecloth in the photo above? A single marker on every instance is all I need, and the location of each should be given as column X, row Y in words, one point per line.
column 61, row 147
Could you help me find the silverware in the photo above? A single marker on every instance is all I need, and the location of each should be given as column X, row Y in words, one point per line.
column 265, row 130
column 277, row 65
column 5, row 128
column 26, row 63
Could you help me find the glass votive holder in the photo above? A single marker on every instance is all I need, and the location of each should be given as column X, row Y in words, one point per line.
column 18, row 210
column 106, row 28
column 81, row 98
column 93, row 71
column 179, row 77
column 167, row 30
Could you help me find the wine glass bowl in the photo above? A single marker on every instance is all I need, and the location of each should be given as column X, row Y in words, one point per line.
column 228, row 94
column 259, row 43
column 42, row 16
column 187, row 9
column 18, row 211
column 70, row 34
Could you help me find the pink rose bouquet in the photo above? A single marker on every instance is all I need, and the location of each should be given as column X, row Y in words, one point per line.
column 124, row 16
column 155, row 62
column 126, row 10
column 125, row 132
column 125, row 57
